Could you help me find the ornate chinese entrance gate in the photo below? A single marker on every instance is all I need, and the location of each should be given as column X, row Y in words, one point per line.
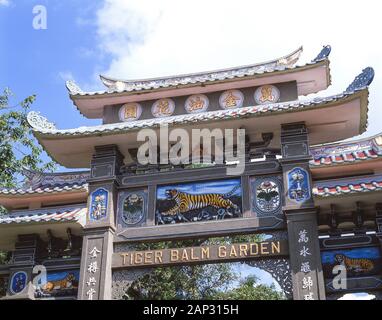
column 270, row 196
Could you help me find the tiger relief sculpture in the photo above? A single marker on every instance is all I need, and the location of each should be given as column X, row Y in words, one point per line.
column 64, row 283
column 186, row 201
column 358, row 265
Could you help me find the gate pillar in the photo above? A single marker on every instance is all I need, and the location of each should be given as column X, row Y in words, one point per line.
column 97, row 248
column 301, row 215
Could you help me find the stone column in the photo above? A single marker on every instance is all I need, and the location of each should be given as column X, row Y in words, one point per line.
column 97, row 248
column 301, row 215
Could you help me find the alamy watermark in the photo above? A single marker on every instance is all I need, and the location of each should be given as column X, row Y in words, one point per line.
column 40, row 17
column 340, row 277
column 178, row 147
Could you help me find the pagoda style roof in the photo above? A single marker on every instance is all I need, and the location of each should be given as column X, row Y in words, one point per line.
column 279, row 64
column 347, row 110
column 68, row 187
column 39, row 221
column 347, row 152
column 43, row 183
column 53, row 215
column 348, row 186
column 311, row 77
column 22, row 191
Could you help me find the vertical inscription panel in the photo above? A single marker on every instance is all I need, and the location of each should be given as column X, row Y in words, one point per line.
column 94, row 267
column 305, row 259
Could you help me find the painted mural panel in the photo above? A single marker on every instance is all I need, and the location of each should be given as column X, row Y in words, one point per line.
column 18, row 282
column 358, row 261
column 59, row 284
column 98, row 207
column 266, row 195
column 199, row 201
column 132, row 208
column 298, row 185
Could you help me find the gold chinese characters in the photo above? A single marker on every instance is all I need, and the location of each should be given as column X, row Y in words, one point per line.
column 231, row 99
column 197, row 103
column 163, row 108
column 267, row 94
column 130, row 112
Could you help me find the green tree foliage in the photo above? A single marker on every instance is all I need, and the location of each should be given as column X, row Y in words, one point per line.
column 18, row 149
column 4, row 257
column 198, row 282
column 249, row 289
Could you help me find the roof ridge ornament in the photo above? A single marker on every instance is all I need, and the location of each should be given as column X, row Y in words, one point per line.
column 285, row 62
column 363, row 80
column 73, row 87
column 324, row 53
column 38, row 122
column 32, row 179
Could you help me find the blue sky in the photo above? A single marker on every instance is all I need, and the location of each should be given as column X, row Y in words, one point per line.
column 145, row 38
column 137, row 39
column 39, row 61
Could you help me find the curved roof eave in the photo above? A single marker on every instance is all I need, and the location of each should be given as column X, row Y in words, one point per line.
column 127, row 87
column 346, row 153
column 287, row 60
column 43, row 128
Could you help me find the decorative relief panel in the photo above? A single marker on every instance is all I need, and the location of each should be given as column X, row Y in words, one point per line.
column 58, row 284
column 267, row 94
column 358, row 262
column 132, row 208
column 231, row 99
column 279, row 269
column 130, row 112
column 197, row 103
column 18, row 282
column 298, row 185
column 199, row 201
column 98, row 205
column 163, row 108
column 266, row 195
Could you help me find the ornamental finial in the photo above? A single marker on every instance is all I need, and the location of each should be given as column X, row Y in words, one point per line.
column 324, row 53
column 32, row 178
column 72, row 87
column 38, row 122
column 363, row 80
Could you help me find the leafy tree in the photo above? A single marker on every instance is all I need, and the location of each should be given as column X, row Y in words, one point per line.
column 249, row 289
column 197, row 282
column 18, row 148
column 4, row 257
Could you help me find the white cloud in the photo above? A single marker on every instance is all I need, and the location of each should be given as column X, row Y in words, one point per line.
column 66, row 75
column 357, row 296
column 156, row 38
column 5, row 3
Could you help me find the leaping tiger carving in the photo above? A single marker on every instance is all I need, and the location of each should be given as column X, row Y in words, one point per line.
column 64, row 283
column 355, row 265
column 186, row 201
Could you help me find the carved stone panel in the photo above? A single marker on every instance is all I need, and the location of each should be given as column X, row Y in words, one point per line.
column 98, row 205
column 132, row 208
column 199, row 201
column 299, row 189
column 266, row 195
